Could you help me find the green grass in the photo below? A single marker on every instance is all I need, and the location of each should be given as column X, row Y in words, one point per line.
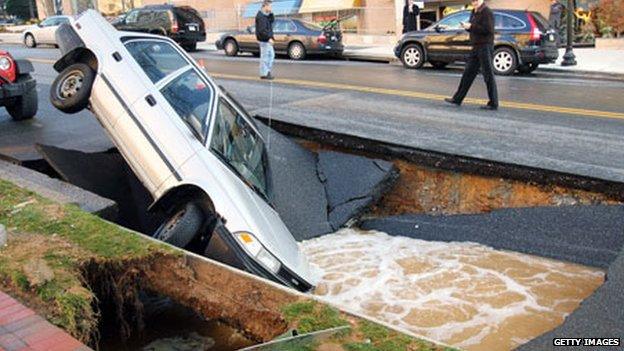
column 310, row 316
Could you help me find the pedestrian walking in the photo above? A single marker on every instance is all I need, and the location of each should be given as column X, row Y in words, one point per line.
column 481, row 28
column 554, row 19
column 410, row 15
column 264, row 35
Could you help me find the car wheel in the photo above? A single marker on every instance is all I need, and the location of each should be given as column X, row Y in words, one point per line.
column 71, row 89
column 25, row 107
column 296, row 51
column 439, row 64
column 230, row 47
column 527, row 68
column 190, row 47
column 505, row 61
column 412, row 56
column 256, row 53
column 29, row 40
column 181, row 226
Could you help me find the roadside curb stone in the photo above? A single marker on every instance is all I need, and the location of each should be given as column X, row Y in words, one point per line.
column 3, row 236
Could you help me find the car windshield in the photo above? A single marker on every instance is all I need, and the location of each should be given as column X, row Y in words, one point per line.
column 156, row 58
column 241, row 148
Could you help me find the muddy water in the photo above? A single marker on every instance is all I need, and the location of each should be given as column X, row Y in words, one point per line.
column 464, row 294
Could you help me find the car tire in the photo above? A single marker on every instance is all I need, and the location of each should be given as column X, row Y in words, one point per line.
column 439, row 64
column 181, row 227
column 504, row 61
column 412, row 56
column 527, row 68
column 71, row 89
column 190, row 47
column 29, row 41
column 25, row 107
column 296, row 51
column 256, row 54
column 230, row 46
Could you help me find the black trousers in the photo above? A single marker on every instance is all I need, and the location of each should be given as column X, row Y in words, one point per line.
column 480, row 57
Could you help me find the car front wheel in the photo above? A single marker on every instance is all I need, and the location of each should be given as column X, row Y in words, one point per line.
column 504, row 61
column 71, row 89
column 412, row 56
column 182, row 225
column 230, row 47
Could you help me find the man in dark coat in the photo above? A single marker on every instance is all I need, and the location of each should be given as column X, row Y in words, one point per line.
column 410, row 14
column 481, row 28
column 264, row 35
column 556, row 9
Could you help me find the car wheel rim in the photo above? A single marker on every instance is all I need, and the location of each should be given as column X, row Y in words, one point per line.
column 229, row 47
column 503, row 61
column 171, row 223
column 70, row 85
column 29, row 40
column 295, row 51
column 412, row 56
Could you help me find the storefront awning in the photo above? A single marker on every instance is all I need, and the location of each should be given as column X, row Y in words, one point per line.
column 280, row 8
column 309, row 6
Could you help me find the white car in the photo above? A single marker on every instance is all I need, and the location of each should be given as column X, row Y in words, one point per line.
column 43, row 33
column 193, row 147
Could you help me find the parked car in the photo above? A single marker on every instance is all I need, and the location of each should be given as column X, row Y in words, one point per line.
column 180, row 23
column 18, row 89
column 293, row 37
column 194, row 148
column 43, row 33
column 522, row 42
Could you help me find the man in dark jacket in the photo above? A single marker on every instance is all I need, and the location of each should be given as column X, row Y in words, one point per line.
column 410, row 15
column 264, row 34
column 481, row 28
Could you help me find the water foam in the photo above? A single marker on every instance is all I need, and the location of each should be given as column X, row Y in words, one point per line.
column 465, row 294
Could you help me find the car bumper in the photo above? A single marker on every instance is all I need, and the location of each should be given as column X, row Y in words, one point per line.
column 539, row 55
column 397, row 50
column 224, row 248
column 219, row 44
column 13, row 90
column 189, row 37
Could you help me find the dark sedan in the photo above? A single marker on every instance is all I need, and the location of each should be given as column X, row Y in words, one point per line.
column 522, row 41
column 293, row 37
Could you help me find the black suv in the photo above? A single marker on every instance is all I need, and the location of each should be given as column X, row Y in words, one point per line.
column 522, row 41
column 180, row 23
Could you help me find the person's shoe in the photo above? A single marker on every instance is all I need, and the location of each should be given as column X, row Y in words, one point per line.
column 452, row 101
column 489, row 107
column 268, row 77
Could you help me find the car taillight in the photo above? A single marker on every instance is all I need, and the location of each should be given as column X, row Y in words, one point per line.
column 174, row 26
column 8, row 70
column 322, row 39
column 536, row 33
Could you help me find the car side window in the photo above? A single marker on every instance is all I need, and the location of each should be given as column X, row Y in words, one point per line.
column 62, row 20
column 279, row 27
column 132, row 16
column 238, row 145
column 145, row 17
column 291, row 27
column 190, row 97
column 510, row 22
column 48, row 22
column 453, row 21
column 156, row 58
column 161, row 18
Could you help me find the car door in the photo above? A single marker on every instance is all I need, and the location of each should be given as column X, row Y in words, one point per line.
column 449, row 41
column 281, row 35
column 47, row 28
column 247, row 40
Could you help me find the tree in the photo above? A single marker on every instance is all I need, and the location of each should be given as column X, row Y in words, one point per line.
column 24, row 9
column 610, row 13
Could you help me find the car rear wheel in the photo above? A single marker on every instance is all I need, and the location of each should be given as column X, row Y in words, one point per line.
column 71, row 89
column 296, row 51
column 527, row 68
column 439, row 64
column 412, row 56
column 504, row 61
column 29, row 40
column 182, row 225
column 230, row 47
column 25, row 107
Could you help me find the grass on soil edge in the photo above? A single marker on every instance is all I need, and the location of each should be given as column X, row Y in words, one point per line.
column 48, row 247
column 363, row 335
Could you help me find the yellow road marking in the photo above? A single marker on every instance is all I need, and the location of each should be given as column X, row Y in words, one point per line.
column 415, row 94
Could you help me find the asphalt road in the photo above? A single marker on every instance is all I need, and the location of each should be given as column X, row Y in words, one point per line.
column 564, row 124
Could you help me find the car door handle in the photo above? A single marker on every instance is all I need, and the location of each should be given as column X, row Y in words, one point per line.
column 150, row 100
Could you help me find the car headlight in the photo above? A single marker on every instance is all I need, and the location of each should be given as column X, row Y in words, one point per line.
column 5, row 63
column 256, row 250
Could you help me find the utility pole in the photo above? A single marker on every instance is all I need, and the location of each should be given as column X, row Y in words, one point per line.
column 569, row 59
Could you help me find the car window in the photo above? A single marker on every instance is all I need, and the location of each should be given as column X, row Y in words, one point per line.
column 240, row 147
column 132, row 17
column 453, row 21
column 161, row 19
column 311, row 26
column 48, row 22
column 145, row 17
column 280, row 26
column 63, row 20
column 502, row 21
column 156, row 58
column 190, row 97
column 187, row 15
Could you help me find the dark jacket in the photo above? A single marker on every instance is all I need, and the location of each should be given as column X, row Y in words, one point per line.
column 409, row 18
column 264, row 26
column 556, row 9
column 482, row 27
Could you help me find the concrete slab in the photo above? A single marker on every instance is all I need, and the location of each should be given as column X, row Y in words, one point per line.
column 590, row 235
column 57, row 190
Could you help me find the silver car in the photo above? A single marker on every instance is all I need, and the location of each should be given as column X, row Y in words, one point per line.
column 194, row 148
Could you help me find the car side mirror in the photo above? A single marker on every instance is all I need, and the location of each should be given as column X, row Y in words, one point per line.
column 437, row 28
